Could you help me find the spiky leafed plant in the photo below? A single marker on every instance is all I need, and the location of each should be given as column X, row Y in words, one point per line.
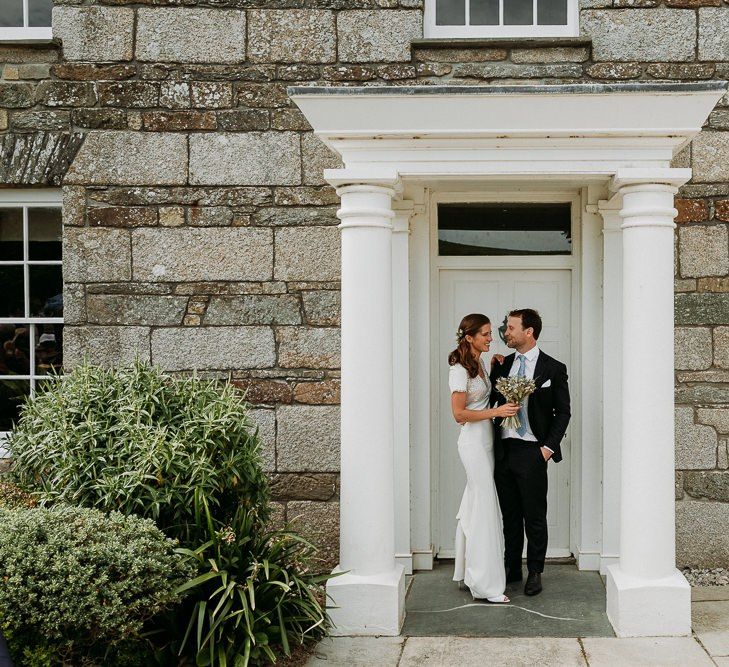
column 140, row 442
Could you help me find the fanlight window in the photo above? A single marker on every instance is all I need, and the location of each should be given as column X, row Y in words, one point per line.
column 504, row 229
column 501, row 18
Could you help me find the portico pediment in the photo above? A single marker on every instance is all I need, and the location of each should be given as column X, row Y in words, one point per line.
column 447, row 131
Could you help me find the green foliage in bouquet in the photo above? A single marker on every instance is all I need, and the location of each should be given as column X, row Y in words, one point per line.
column 140, row 442
column 78, row 586
column 253, row 596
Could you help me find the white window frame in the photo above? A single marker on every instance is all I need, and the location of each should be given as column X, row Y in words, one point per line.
column 433, row 31
column 26, row 33
column 25, row 199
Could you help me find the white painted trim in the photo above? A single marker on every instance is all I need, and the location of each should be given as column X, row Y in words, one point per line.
column 586, row 388
column 26, row 33
column 420, row 303
column 11, row 197
column 406, row 561
column 423, row 560
column 588, row 560
column 22, row 35
column 433, row 31
column 612, row 318
column 26, row 198
column 401, row 379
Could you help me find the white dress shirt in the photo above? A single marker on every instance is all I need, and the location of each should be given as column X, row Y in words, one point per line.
column 529, row 366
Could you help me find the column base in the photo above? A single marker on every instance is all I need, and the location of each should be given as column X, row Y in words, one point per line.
column 640, row 607
column 367, row 605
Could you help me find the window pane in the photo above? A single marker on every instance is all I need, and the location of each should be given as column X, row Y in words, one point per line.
column 12, row 395
column 46, row 291
column 450, row 12
column 11, row 294
column 552, row 12
column 48, row 348
column 11, row 13
column 44, row 232
column 504, row 229
column 39, row 13
column 15, row 350
column 518, row 12
column 11, row 233
column 484, row 12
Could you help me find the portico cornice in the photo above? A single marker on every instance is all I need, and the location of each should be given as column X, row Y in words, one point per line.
column 396, row 132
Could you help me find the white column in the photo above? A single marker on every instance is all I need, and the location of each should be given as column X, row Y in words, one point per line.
column 646, row 594
column 369, row 597
column 401, row 380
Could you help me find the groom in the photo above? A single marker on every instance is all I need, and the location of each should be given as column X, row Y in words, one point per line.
column 522, row 454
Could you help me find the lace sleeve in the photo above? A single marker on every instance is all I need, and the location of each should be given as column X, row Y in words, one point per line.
column 458, row 378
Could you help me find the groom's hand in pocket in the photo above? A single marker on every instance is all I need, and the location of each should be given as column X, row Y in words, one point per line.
column 546, row 453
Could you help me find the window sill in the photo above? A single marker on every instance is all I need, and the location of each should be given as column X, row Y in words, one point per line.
column 499, row 42
column 26, row 36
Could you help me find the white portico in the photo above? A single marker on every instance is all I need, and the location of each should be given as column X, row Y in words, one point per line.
column 612, row 145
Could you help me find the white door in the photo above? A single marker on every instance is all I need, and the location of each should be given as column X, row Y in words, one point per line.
column 495, row 293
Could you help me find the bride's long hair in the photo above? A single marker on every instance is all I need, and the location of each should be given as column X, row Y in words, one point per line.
column 469, row 326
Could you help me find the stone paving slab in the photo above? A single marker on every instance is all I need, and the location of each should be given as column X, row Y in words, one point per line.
column 710, row 623
column 708, row 593
column 476, row 652
column 572, row 605
column 357, row 652
column 645, row 652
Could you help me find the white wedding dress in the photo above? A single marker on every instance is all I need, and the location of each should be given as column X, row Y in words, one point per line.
column 479, row 534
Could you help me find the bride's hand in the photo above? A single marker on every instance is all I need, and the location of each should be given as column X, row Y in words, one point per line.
column 507, row 410
column 497, row 359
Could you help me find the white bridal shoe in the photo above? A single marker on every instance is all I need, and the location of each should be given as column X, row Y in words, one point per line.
column 499, row 599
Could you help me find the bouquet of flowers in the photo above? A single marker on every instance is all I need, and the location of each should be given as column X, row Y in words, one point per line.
column 515, row 388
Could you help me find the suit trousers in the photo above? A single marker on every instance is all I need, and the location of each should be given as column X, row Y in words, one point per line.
column 521, row 482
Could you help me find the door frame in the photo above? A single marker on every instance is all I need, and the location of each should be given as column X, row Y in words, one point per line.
column 426, row 421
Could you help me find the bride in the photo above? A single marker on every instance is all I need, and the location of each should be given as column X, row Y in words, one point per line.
column 479, row 534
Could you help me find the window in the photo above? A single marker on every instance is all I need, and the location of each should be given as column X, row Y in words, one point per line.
column 31, row 299
column 501, row 18
column 504, row 229
column 25, row 20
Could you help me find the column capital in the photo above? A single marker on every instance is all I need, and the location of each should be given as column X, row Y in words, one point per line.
column 649, row 176
column 647, row 205
column 366, row 205
column 610, row 213
column 341, row 178
column 404, row 210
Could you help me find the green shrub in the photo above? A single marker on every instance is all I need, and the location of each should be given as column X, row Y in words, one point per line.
column 140, row 442
column 78, row 586
column 253, row 597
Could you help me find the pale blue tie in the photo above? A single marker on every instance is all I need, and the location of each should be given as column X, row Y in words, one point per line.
column 522, row 410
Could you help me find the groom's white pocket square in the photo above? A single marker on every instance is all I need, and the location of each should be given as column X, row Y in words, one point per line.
column 548, row 383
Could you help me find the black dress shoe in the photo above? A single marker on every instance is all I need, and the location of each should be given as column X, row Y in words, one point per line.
column 513, row 574
column 533, row 584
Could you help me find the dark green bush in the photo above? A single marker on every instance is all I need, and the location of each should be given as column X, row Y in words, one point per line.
column 140, row 442
column 78, row 586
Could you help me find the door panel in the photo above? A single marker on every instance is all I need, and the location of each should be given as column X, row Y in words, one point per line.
column 495, row 293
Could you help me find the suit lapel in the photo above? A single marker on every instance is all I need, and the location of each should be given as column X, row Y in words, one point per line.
column 539, row 370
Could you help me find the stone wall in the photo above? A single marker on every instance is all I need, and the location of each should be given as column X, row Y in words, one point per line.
column 199, row 232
